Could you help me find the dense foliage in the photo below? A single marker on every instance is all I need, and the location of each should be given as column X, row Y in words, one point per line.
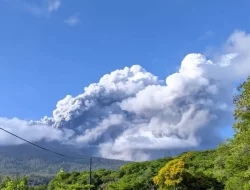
column 193, row 170
column 41, row 167
column 227, row 167
column 19, row 184
column 138, row 175
column 131, row 176
column 233, row 157
column 186, row 171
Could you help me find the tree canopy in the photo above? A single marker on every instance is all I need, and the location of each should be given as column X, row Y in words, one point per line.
column 233, row 157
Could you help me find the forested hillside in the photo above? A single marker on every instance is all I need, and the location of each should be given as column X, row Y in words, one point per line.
column 227, row 167
column 195, row 168
column 43, row 167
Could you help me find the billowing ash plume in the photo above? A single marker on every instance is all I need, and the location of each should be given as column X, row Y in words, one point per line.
column 131, row 114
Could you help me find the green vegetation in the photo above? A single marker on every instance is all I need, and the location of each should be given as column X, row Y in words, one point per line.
column 193, row 170
column 233, row 157
column 196, row 169
column 227, row 167
column 49, row 168
column 19, row 184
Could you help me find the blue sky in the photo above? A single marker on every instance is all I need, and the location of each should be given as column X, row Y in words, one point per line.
column 42, row 58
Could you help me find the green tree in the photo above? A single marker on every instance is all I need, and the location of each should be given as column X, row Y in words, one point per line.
column 138, row 175
column 173, row 174
column 242, row 111
column 233, row 161
column 15, row 184
column 186, row 173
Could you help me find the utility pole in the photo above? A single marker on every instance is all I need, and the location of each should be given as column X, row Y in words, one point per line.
column 90, row 170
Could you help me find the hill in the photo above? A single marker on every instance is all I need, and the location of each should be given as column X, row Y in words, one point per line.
column 199, row 172
column 28, row 160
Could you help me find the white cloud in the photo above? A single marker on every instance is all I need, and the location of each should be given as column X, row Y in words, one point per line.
column 131, row 114
column 238, row 44
column 72, row 20
column 27, row 131
column 53, row 5
column 40, row 8
column 235, row 59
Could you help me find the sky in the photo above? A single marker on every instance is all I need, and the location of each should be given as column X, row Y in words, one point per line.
column 53, row 48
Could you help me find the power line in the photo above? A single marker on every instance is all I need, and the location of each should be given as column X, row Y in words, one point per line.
column 51, row 151
column 48, row 150
column 90, row 171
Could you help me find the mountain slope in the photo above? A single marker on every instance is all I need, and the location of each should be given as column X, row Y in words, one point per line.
column 28, row 160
